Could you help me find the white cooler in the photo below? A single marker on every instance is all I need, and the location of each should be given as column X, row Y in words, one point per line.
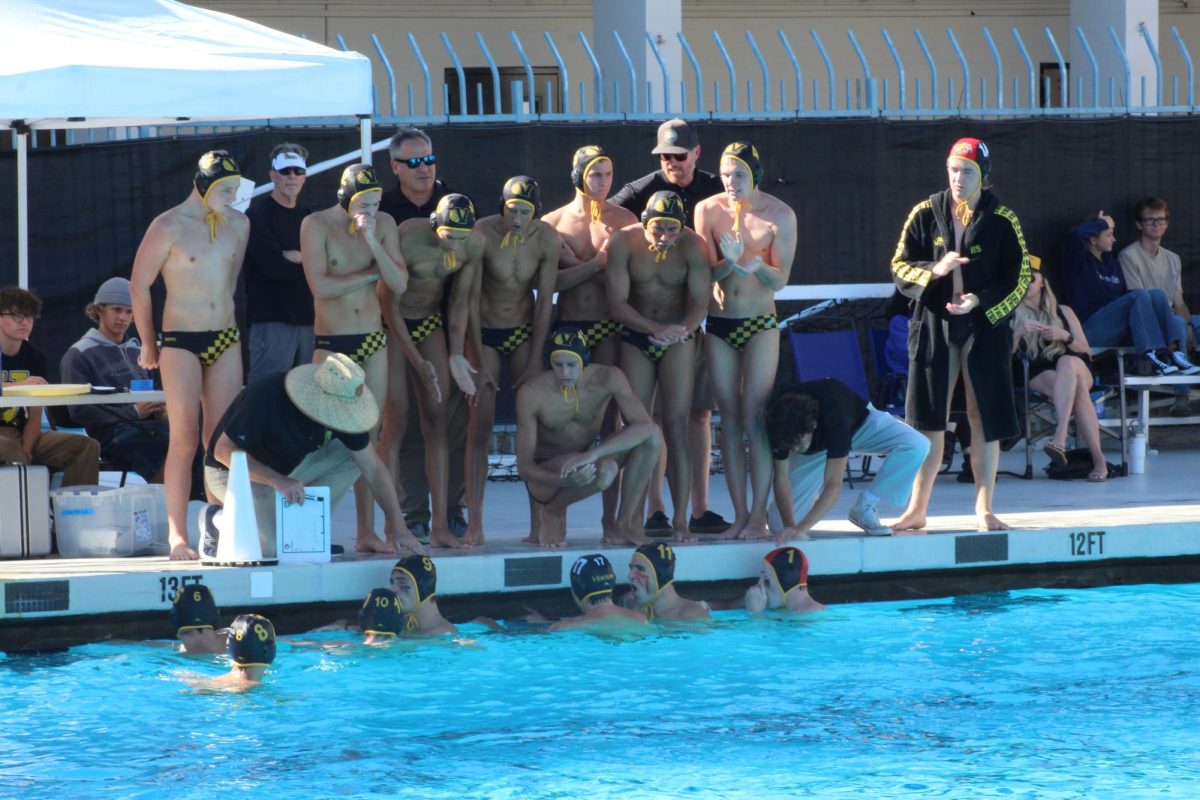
column 105, row 522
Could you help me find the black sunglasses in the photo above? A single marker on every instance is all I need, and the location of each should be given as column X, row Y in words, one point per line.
column 416, row 161
column 673, row 156
column 292, row 171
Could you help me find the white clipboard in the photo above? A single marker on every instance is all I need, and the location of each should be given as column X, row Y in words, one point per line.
column 303, row 531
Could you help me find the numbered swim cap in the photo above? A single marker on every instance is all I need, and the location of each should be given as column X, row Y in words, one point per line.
column 423, row 574
column 748, row 155
column 252, row 641
column 661, row 560
column 380, row 614
column 592, row 576
column 790, row 567
column 193, row 609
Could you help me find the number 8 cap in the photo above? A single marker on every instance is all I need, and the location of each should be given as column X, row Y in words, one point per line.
column 252, row 641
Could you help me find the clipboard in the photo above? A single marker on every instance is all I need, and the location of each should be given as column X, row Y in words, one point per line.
column 303, row 531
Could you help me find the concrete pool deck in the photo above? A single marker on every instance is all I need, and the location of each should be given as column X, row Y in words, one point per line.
column 1138, row 528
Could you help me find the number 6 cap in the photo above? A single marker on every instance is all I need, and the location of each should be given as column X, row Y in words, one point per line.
column 193, row 609
column 252, row 641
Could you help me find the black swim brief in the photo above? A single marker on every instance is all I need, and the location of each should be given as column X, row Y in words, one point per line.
column 358, row 346
column 642, row 342
column 419, row 329
column 207, row 346
column 506, row 340
column 595, row 331
column 737, row 332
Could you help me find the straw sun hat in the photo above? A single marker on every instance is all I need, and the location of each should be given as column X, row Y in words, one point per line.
column 333, row 394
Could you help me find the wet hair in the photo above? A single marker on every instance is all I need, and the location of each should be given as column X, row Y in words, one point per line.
column 288, row 147
column 21, row 301
column 789, row 416
column 404, row 135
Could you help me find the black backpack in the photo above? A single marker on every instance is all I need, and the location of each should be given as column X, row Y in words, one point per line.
column 1078, row 467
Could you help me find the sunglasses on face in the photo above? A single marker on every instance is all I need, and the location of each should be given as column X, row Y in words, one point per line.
column 416, row 161
column 292, row 171
column 681, row 157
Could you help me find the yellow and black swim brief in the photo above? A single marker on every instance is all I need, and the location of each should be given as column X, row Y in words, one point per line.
column 207, row 346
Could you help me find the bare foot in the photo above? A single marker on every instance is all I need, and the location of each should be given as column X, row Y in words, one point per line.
column 373, row 544
column 180, row 551
column 990, row 522
column 914, row 522
column 619, row 536
column 532, row 538
column 683, row 536
column 474, row 537
column 734, row 531
column 442, row 537
column 754, row 530
column 552, row 528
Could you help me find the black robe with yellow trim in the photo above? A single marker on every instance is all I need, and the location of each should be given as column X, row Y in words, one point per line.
column 998, row 273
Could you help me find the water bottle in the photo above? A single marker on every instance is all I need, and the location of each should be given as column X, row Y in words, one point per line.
column 1137, row 448
column 1098, row 402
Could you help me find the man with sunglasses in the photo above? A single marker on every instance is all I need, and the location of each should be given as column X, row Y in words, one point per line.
column 416, row 196
column 678, row 151
column 279, row 304
column 1149, row 265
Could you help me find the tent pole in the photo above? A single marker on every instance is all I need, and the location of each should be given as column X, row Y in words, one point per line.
column 364, row 139
column 21, row 137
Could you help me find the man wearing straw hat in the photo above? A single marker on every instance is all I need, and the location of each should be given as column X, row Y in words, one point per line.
column 310, row 426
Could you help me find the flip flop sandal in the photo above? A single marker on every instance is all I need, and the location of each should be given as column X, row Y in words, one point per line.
column 1098, row 476
column 1056, row 453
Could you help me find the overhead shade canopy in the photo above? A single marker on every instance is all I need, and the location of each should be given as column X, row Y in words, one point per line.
column 82, row 63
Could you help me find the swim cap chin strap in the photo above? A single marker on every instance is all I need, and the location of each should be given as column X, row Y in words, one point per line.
column 215, row 218
column 570, row 392
column 594, row 207
column 511, row 238
column 353, row 228
column 962, row 209
column 738, row 207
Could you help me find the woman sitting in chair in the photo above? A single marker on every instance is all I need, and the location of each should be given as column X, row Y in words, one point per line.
column 1059, row 367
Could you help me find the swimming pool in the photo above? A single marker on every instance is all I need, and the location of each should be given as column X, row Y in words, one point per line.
column 1046, row 694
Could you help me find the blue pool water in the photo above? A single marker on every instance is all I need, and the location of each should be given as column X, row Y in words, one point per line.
column 1034, row 694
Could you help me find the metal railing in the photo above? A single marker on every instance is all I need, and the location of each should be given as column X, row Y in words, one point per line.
column 780, row 90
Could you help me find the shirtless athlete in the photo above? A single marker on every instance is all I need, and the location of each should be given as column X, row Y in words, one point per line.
column 198, row 247
column 346, row 249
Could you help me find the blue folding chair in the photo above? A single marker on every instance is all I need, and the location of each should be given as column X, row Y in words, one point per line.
column 833, row 354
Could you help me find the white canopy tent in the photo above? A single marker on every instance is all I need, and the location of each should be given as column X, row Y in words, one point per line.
column 87, row 64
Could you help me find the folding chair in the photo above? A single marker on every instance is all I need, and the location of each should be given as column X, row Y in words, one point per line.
column 832, row 354
column 59, row 419
column 889, row 385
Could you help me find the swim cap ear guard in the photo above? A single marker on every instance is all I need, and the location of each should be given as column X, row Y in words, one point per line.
column 585, row 158
column 356, row 179
column 661, row 559
column 592, row 576
column 252, row 641
column 380, row 614
column 790, row 567
column 664, row 205
column 215, row 166
column 193, row 609
column 522, row 189
column 454, row 212
column 748, row 155
column 422, row 572
column 568, row 339
column 973, row 150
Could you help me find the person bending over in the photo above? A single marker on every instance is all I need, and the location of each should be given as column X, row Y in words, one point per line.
column 812, row 428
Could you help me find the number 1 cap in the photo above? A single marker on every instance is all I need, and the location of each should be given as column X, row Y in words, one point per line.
column 252, row 641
